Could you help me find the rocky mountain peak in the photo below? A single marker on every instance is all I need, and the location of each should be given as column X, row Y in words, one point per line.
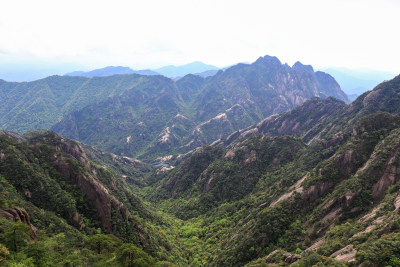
column 268, row 60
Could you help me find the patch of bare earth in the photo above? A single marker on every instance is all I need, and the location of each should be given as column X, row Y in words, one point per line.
column 346, row 254
column 316, row 245
column 297, row 188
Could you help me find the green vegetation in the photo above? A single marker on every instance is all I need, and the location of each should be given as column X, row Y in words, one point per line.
column 42, row 103
column 50, row 249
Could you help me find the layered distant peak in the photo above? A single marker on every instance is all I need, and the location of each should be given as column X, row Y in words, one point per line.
column 301, row 67
column 119, row 69
column 110, row 70
column 179, row 71
column 190, row 77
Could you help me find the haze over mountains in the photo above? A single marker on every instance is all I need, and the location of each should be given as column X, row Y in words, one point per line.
column 171, row 71
column 31, row 70
column 259, row 164
column 352, row 82
column 180, row 71
column 356, row 82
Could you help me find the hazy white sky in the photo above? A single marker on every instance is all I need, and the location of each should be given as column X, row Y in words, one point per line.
column 150, row 33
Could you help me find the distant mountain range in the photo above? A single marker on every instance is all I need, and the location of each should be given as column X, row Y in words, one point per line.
column 111, row 70
column 197, row 68
column 353, row 82
column 356, row 82
column 25, row 72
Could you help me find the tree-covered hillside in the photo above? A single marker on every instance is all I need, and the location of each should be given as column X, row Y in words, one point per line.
column 58, row 208
column 42, row 103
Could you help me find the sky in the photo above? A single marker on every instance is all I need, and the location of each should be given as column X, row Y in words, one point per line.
column 144, row 34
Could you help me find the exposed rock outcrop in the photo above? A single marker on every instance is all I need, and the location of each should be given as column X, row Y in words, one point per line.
column 18, row 214
column 93, row 189
column 84, row 177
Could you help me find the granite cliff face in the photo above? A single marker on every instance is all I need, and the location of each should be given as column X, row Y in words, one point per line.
column 161, row 116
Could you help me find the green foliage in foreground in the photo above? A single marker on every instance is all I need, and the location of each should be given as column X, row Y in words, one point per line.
column 61, row 250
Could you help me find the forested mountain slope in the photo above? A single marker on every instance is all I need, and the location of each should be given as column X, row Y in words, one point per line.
column 42, row 103
column 72, row 211
column 333, row 200
column 160, row 116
